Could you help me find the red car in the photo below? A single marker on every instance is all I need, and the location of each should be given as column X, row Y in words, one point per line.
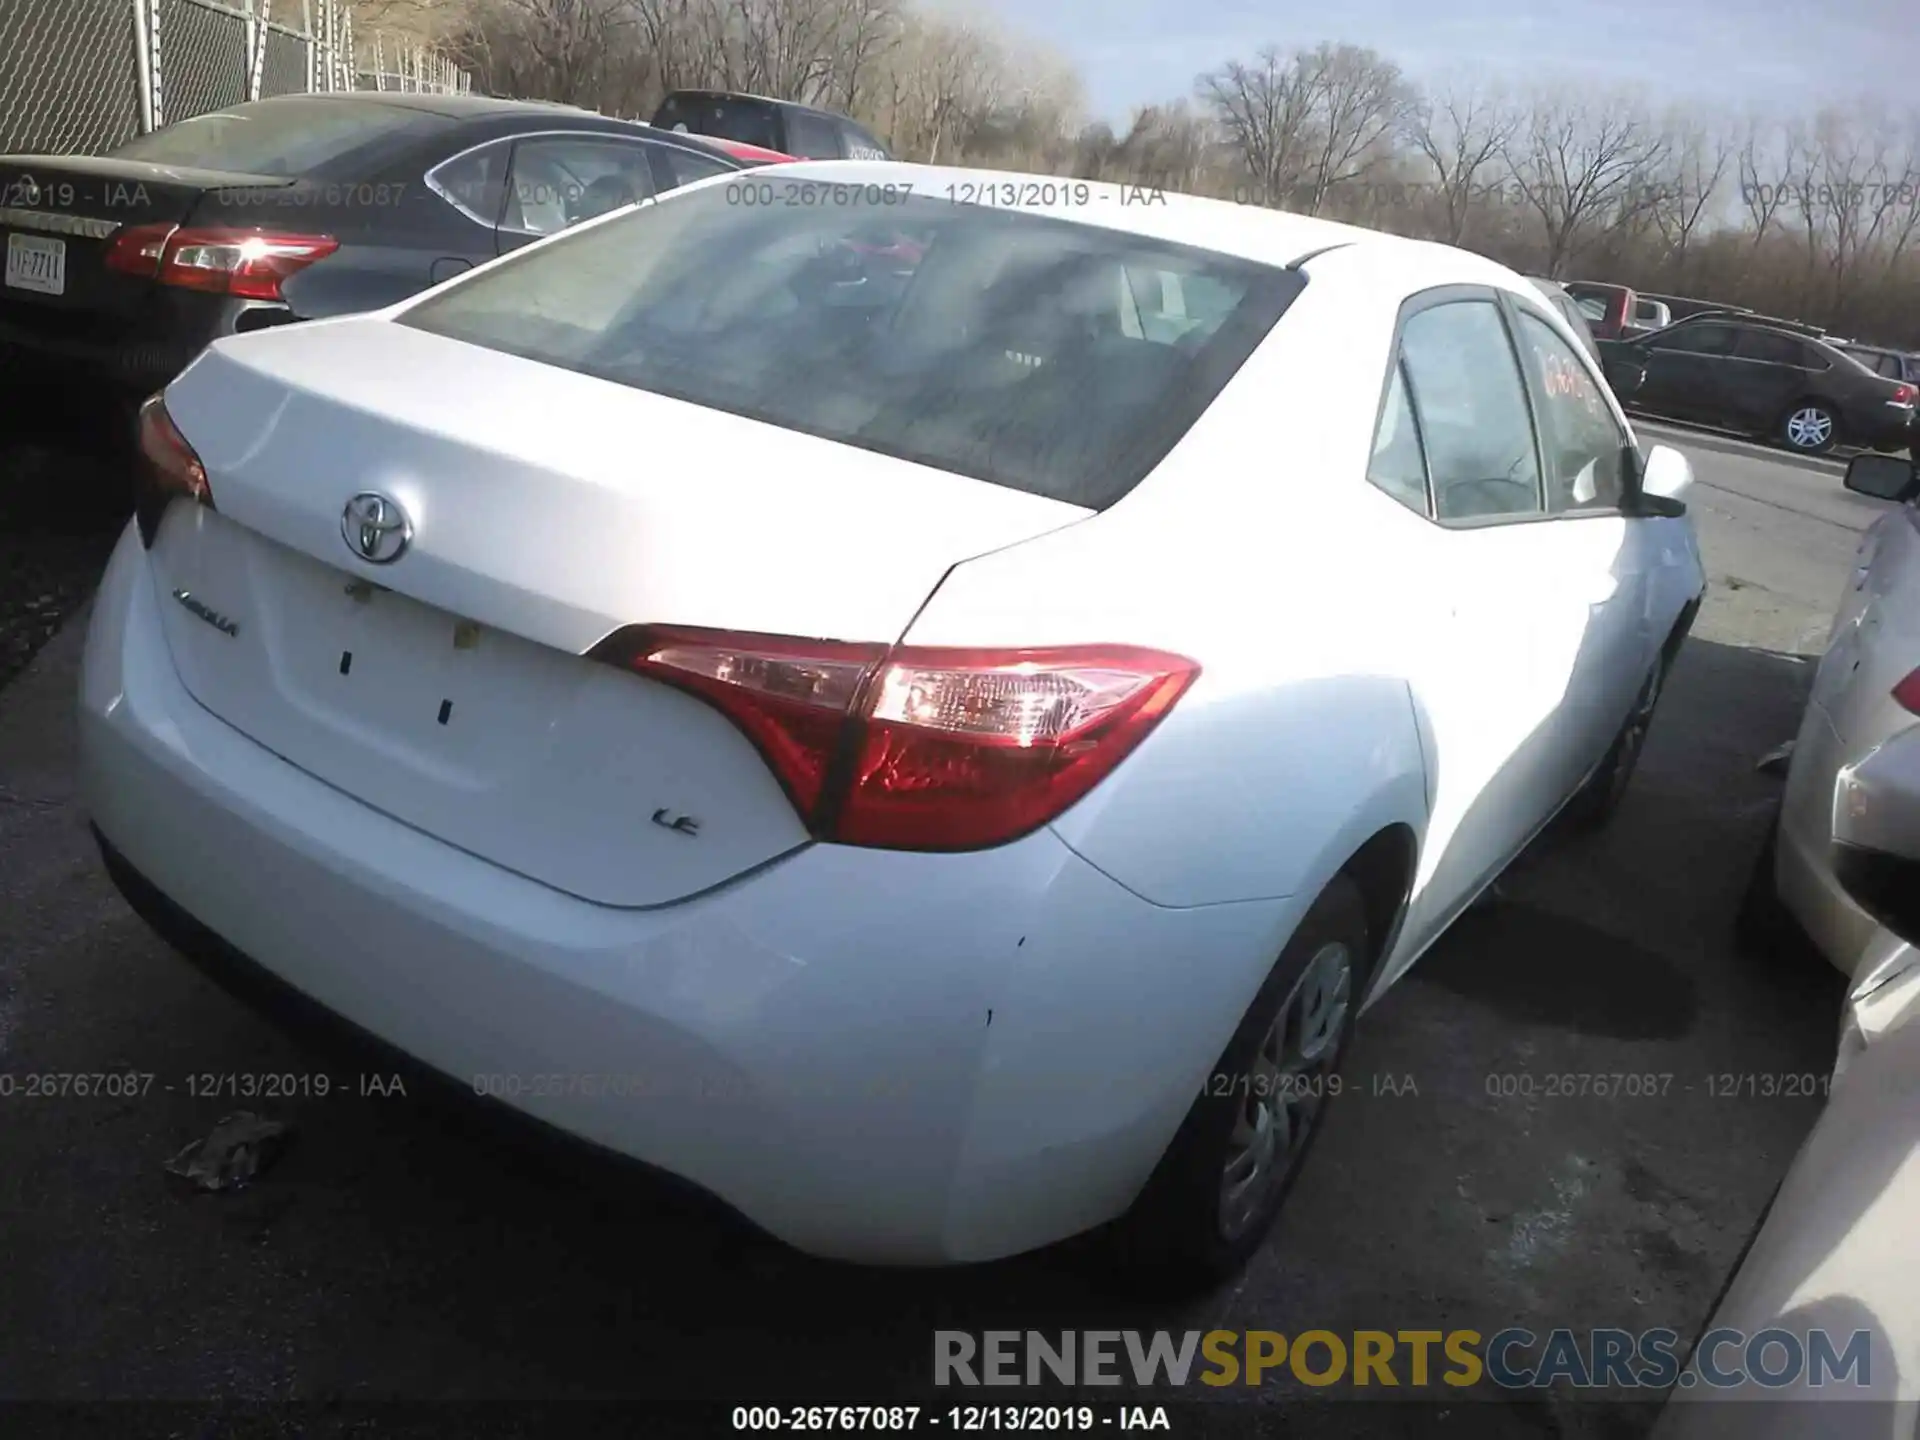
column 750, row 154
column 1615, row 312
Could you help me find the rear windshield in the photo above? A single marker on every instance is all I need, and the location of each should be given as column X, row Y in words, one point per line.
column 753, row 121
column 288, row 137
column 1036, row 353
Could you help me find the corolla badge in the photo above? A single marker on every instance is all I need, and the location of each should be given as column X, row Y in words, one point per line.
column 376, row 528
column 195, row 606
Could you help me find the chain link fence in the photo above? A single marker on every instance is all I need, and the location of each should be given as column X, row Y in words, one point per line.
column 68, row 75
column 82, row 76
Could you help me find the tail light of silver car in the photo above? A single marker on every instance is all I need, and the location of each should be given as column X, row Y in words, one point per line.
column 167, row 469
column 247, row 264
column 1907, row 692
column 919, row 747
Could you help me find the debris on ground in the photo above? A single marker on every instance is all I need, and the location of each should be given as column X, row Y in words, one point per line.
column 232, row 1154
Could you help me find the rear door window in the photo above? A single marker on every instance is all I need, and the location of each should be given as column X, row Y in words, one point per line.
column 685, row 167
column 1700, row 339
column 1770, row 347
column 1473, row 412
column 475, row 183
column 560, row 181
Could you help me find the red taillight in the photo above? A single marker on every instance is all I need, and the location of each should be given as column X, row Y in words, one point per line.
column 137, row 250
column 250, row 264
column 921, row 748
column 791, row 697
column 1903, row 395
column 169, row 469
column 1907, row 692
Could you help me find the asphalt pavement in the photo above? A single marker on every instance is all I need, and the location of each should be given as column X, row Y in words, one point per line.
column 402, row 1248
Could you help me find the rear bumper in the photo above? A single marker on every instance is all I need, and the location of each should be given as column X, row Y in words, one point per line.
column 134, row 367
column 1885, row 427
column 130, row 358
column 875, row 1056
column 1831, row 790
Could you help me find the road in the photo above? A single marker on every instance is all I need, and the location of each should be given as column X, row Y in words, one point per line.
column 402, row 1248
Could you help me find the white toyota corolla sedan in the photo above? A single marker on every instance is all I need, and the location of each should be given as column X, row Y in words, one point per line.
column 924, row 714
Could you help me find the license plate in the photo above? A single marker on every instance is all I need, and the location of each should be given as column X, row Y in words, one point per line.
column 37, row 263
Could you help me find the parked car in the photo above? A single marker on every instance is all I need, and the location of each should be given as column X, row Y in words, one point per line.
column 1844, row 860
column 1831, row 1274
column 1682, row 307
column 743, row 152
column 1570, row 311
column 121, row 267
column 1609, row 309
column 1835, row 1252
column 1760, row 377
column 1650, row 315
column 780, row 125
column 833, row 737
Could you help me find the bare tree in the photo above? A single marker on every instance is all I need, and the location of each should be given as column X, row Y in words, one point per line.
column 1681, row 190
column 548, row 49
column 1761, row 165
column 1167, row 146
column 1460, row 134
column 1825, row 225
column 1356, row 102
column 1573, row 163
column 1264, row 110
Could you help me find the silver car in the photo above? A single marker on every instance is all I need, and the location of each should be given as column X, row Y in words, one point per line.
column 1844, row 862
column 1834, row 1263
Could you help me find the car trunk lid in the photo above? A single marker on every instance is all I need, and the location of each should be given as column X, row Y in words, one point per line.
column 449, row 687
column 64, row 211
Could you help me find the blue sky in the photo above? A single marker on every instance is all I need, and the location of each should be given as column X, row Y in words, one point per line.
column 1787, row 55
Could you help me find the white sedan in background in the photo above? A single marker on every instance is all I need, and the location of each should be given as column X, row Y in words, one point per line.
column 935, row 753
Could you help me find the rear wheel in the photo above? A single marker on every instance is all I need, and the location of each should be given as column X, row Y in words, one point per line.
column 1217, row 1190
column 1763, row 926
column 1599, row 799
column 1811, row 427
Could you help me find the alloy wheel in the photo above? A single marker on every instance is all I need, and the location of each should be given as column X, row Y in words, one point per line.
column 1809, row 428
column 1286, row 1087
column 1633, row 738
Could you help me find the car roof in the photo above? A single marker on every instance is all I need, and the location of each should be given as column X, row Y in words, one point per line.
column 1251, row 232
column 457, row 107
column 764, row 100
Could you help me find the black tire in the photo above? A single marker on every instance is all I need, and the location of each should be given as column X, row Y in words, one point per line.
column 1176, row 1240
column 1598, row 801
column 1813, row 410
column 1763, row 925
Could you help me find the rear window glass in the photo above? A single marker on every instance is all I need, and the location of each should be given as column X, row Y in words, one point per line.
column 279, row 137
column 753, row 121
column 1031, row 352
